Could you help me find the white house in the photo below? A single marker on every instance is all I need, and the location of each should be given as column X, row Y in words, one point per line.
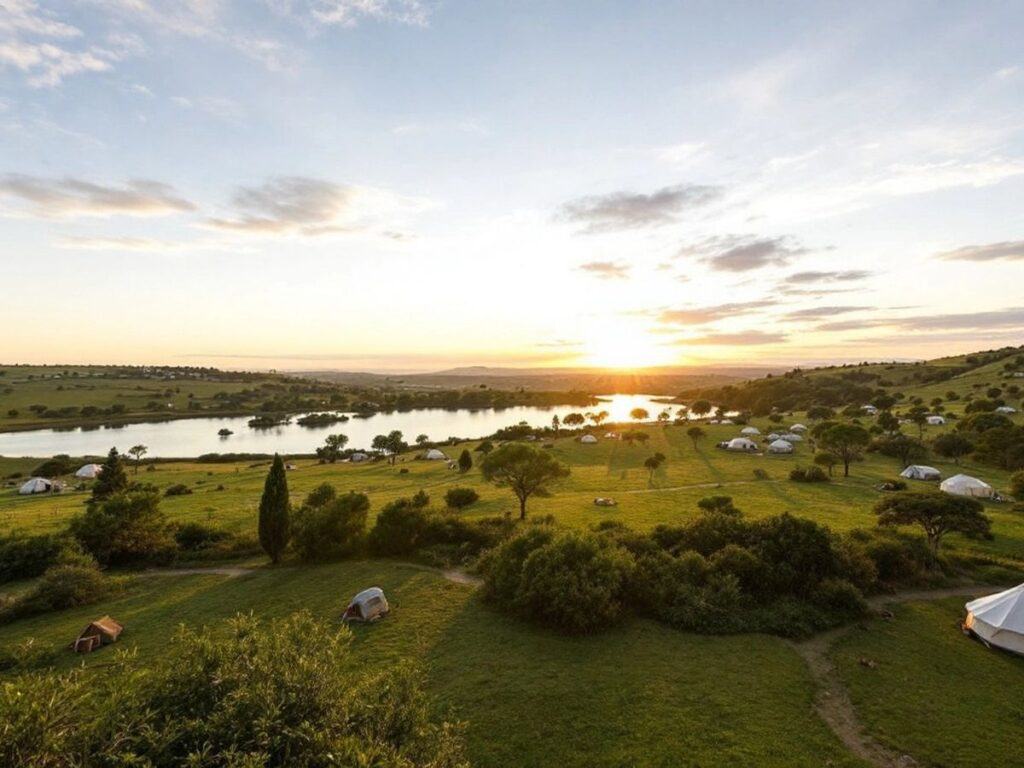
column 358, row 456
column 965, row 485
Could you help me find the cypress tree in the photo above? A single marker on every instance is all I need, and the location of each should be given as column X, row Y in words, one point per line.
column 465, row 461
column 273, row 523
column 113, row 479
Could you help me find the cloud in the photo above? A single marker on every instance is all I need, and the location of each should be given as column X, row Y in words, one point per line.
column 1012, row 250
column 1001, row 318
column 25, row 16
column 628, row 210
column 742, row 253
column 828, row 277
column 350, row 13
column 297, row 205
column 709, row 314
column 816, row 313
column 737, row 339
column 608, row 270
column 68, row 196
column 143, row 244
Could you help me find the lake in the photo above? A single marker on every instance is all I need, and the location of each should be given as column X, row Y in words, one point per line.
column 193, row 437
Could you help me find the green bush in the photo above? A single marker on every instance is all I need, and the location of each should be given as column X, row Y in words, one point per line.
column 1017, row 485
column 55, row 467
column 840, row 599
column 813, row 474
column 196, row 536
column 62, row 586
column 127, row 528
column 328, row 526
column 178, row 489
column 284, row 694
column 460, row 498
column 25, row 557
column 503, row 566
column 398, row 528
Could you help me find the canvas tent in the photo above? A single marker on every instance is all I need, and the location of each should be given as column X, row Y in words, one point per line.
column 358, row 456
column 798, row 428
column 791, row 437
column 921, row 472
column 741, row 444
column 750, row 431
column 1006, row 409
column 869, row 409
column 103, row 631
column 998, row 619
column 780, row 446
column 935, row 421
column 89, row 471
column 435, row 455
column 588, row 439
column 37, row 485
column 965, row 485
column 773, row 436
column 368, row 605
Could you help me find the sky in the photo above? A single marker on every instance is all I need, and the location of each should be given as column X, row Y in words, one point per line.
column 401, row 185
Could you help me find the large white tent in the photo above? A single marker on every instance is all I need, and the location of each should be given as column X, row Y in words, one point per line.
column 936, row 421
column 790, row 437
column 588, row 439
column 1007, row 409
column 965, row 485
column 750, row 431
column 741, row 444
column 921, row 472
column 435, row 455
column 999, row 619
column 36, row 485
column 780, row 446
column 798, row 428
column 89, row 471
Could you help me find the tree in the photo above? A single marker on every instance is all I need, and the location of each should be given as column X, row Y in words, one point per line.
column 695, row 434
column 721, row 505
column 664, row 417
column 112, row 479
column 598, row 417
column 573, row 419
column 332, row 447
column 137, row 452
column 465, row 461
column 125, row 528
column 274, row 509
column 827, row 460
column 919, row 415
column 422, row 440
column 888, row 422
column 524, row 470
column 820, row 412
column 906, row 449
column 936, row 512
column 1017, row 485
column 651, row 463
column 555, row 424
column 390, row 445
column 847, row 442
column 700, row 407
column 329, row 526
column 952, row 445
column 639, row 414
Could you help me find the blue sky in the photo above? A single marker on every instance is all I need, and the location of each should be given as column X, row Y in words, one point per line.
column 381, row 184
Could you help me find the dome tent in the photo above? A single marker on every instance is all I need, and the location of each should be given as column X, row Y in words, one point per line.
column 37, row 485
column 89, row 471
column 780, row 446
column 741, row 444
column 750, row 431
column 791, row 437
column 998, row 619
column 798, row 428
column 965, row 485
column 435, row 455
column 1006, row 409
column 936, row 421
column 358, row 456
column 368, row 605
column 921, row 472
column 588, row 439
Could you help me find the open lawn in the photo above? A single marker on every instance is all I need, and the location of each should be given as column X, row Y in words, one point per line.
column 640, row 694
column 608, row 468
column 936, row 694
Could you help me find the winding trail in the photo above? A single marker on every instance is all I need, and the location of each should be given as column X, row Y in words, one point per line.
column 832, row 701
column 234, row 571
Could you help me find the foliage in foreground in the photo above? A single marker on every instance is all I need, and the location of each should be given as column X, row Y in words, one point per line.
column 282, row 694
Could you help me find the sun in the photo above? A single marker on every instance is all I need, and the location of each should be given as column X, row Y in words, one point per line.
column 620, row 347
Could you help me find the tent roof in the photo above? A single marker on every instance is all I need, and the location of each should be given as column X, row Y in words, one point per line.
column 36, row 484
column 750, row 431
column 916, row 469
column 964, row 481
column 741, row 442
column 780, row 445
column 366, row 595
column 1004, row 610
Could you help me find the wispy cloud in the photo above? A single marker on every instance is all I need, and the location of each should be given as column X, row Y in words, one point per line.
column 607, row 270
column 828, row 277
column 1011, row 250
column 736, row 339
column 817, row 313
column 631, row 210
column 144, row 244
column 743, row 253
column 1001, row 318
column 67, row 197
column 350, row 13
column 709, row 314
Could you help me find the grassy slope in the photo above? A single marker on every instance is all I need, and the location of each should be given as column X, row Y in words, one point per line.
column 936, row 694
column 639, row 695
column 609, row 468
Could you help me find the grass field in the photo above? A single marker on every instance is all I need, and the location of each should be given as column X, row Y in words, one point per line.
column 935, row 693
column 640, row 694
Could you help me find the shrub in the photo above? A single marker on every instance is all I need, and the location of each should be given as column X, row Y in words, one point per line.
column 125, row 529
column 178, row 489
column 503, row 566
column 287, row 693
column 460, row 498
column 398, row 528
column 25, row 557
column 814, row 474
column 62, row 586
column 1017, row 485
column 574, row 583
column 840, row 599
column 329, row 526
column 797, row 554
column 55, row 467
column 196, row 536
column 760, row 474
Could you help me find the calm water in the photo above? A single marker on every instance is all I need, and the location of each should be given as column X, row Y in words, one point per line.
column 192, row 437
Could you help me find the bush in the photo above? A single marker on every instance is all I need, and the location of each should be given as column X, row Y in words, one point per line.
column 797, row 554
column 460, row 498
column 328, row 526
column 814, row 474
column 62, row 586
column 574, row 583
column 287, row 693
column 398, row 529
column 196, row 536
column 178, row 489
column 25, row 557
column 503, row 566
column 125, row 529
column 840, row 599
column 55, row 467
column 760, row 474
column 1017, row 485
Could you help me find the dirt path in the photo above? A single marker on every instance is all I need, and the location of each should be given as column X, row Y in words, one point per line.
column 832, row 701
column 234, row 571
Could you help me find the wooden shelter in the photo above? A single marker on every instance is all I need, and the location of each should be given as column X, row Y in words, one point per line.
column 97, row 633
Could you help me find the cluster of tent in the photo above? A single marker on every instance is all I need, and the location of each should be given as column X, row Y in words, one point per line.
column 46, row 485
column 958, row 485
column 777, row 442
